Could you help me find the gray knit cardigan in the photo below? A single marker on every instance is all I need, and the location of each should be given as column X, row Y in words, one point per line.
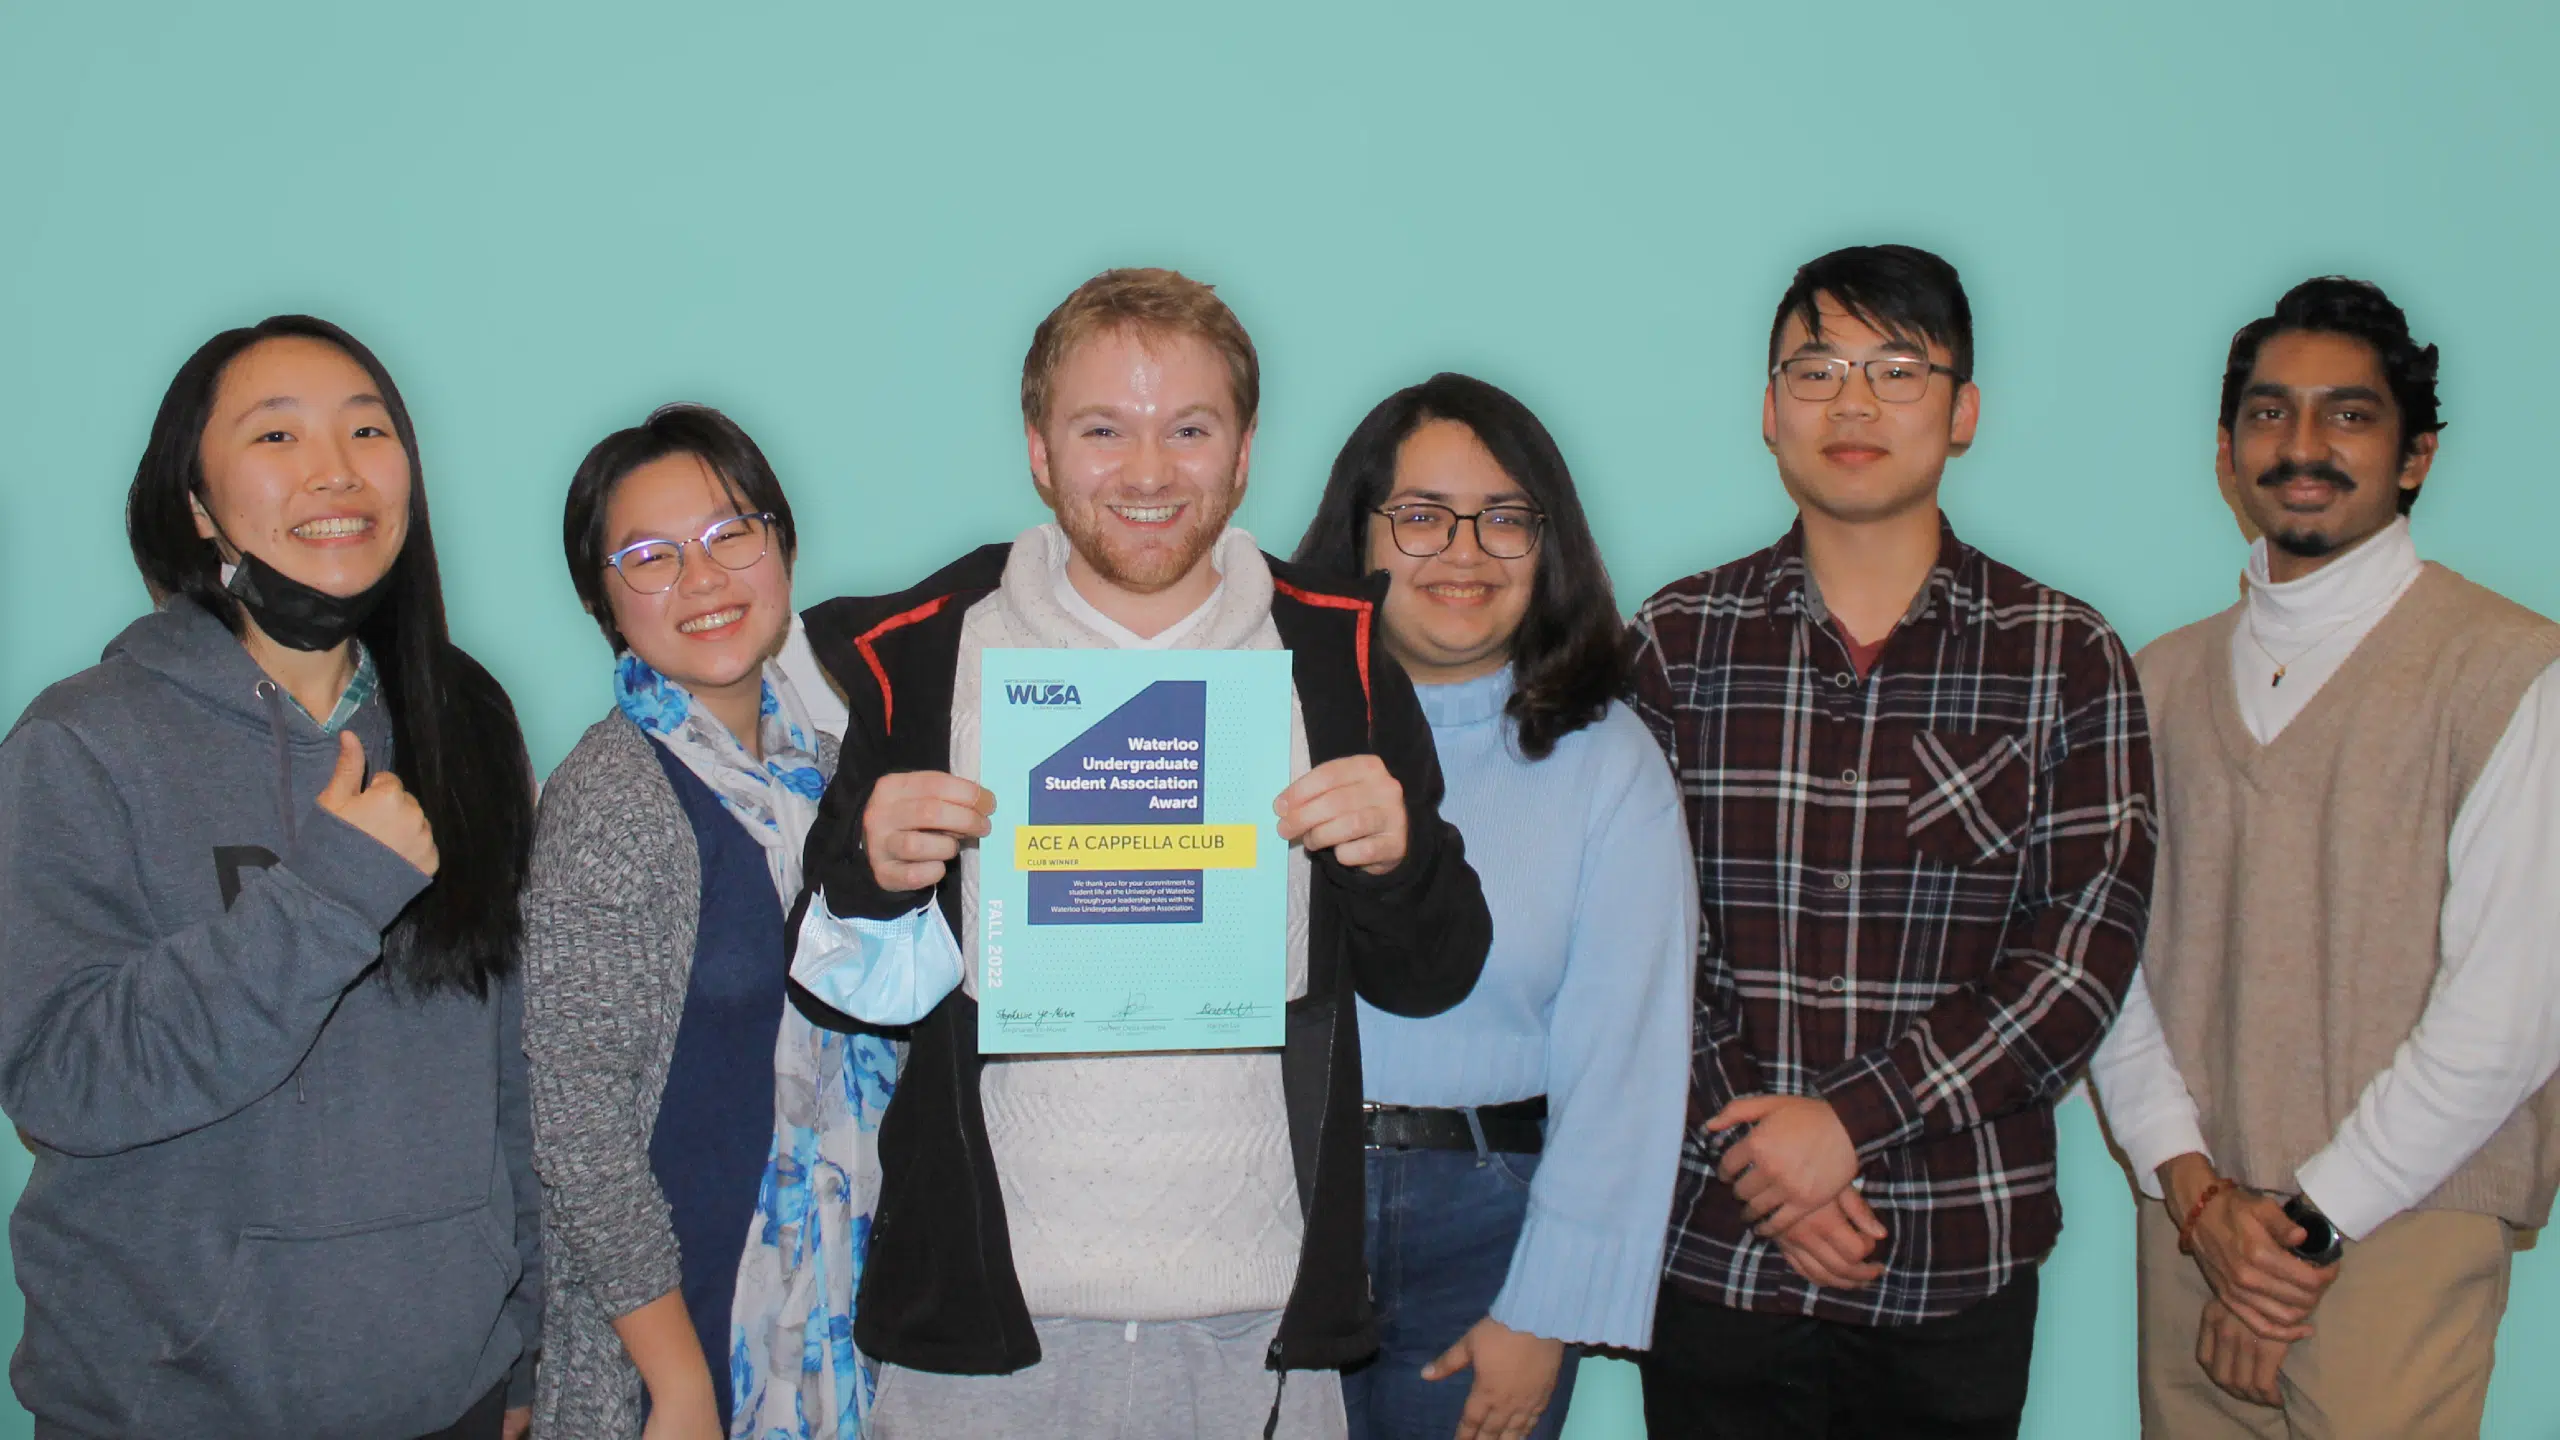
column 609, row 917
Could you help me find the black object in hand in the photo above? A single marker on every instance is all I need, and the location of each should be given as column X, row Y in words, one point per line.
column 2321, row 1242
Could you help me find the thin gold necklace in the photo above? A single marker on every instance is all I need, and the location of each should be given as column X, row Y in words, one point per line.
column 2249, row 621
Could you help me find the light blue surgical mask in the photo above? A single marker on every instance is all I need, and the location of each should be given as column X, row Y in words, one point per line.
column 880, row 972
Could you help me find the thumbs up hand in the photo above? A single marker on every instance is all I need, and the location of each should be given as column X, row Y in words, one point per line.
column 384, row 809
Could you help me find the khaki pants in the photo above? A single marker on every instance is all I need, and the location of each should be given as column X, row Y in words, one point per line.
column 2404, row 1344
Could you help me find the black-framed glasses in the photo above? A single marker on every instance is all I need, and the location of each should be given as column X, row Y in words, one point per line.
column 1896, row 380
column 1423, row 528
column 654, row 566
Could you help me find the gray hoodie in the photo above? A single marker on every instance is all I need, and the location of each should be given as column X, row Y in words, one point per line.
column 272, row 1194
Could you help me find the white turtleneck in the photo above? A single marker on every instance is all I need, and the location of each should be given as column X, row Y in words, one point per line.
column 2490, row 1034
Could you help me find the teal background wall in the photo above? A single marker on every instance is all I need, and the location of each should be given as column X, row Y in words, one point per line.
column 841, row 221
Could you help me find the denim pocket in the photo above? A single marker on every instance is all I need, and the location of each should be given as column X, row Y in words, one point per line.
column 1518, row 1168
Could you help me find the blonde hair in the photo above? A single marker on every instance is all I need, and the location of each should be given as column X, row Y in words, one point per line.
column 1150, row 301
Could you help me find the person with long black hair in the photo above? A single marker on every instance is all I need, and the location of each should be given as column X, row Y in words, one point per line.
column 1521, row 1146
column 259, row 1016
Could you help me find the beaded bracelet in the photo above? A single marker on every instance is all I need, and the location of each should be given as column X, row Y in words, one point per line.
column 2195, row 1212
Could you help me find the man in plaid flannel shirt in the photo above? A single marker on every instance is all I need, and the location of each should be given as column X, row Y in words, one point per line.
column 1918, row 783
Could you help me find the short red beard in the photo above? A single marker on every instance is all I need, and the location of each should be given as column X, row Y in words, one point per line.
column 1154, row 568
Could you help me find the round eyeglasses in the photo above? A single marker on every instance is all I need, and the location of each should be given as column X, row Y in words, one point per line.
column 1896, row 381
column 654, row 566
column 1423, row 529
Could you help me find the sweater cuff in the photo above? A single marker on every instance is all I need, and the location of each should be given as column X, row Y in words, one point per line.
column 1873, row 1104
column 620, row 1252
column 634, row 1282
column 346, row 865
column 1581, row 1283
column 520, row 1381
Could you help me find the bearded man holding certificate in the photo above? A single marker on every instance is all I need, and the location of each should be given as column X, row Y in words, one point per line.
column 1124, row 1244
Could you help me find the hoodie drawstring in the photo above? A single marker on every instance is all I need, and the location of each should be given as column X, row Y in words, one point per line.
column 270, row 692
column 274, row 696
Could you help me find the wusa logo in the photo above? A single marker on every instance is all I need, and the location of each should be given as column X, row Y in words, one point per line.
column 1051, row 693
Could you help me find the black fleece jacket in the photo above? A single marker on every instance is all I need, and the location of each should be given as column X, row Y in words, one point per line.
column 938, row 1289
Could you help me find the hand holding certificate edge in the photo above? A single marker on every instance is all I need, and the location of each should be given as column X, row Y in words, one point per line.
column 916, row 822
column 1351, row 806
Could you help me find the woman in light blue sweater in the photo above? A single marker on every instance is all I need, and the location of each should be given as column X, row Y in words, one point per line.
column 1522, row 1146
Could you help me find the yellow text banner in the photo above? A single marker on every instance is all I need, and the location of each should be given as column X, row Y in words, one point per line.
column 1133, row 847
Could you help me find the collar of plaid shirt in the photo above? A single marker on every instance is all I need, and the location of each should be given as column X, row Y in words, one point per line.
column 1924, row 891
column 1793, row 589
column 361, row 687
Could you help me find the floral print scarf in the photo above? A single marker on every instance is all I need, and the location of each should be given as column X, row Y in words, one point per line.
column 793, row 1371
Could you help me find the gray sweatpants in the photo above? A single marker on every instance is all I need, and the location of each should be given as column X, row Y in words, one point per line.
column 1120, row 1380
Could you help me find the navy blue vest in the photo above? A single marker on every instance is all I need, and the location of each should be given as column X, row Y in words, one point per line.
column 715, row 1121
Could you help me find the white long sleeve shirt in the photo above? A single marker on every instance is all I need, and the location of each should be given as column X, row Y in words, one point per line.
column 2490, row 1034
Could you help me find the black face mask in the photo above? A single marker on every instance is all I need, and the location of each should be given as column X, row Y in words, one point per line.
column 295, row 615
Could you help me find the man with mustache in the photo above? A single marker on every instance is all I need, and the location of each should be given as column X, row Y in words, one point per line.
column 2332, row 1081
column 1918, row 791
column 1141, row 1245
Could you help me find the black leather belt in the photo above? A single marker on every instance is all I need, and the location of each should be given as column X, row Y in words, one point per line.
column 1516, row 1128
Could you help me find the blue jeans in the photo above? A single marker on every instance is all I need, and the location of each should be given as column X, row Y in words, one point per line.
column 1442, row 1224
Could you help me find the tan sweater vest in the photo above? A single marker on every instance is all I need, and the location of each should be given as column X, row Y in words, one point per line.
column 2295, row 910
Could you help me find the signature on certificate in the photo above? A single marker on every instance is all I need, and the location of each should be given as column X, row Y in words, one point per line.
column 1045, row 1018
column 1231, row 1010
column 1134, row 1008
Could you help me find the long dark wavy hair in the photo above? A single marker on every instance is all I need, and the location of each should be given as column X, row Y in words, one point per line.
column 1567, row 659
column 456, row 743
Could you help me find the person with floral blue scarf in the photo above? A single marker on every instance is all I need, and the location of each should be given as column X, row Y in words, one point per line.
column 708, row 1151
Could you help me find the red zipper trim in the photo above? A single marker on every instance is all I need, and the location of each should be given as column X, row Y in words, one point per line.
column 1359, row 636
column 871, row 657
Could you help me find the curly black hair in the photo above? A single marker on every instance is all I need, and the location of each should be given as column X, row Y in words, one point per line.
column 2357, row 309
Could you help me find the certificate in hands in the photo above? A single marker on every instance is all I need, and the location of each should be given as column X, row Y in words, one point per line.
column 1134, row 892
